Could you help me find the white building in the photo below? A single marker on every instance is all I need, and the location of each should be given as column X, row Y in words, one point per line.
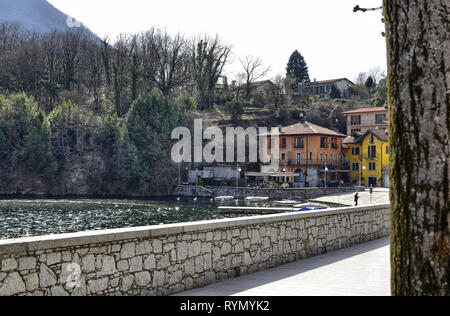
column 322, row 89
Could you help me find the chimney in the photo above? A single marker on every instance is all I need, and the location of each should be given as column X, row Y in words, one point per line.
column 302, row 117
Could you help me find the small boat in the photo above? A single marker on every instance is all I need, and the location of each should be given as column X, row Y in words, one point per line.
column 290, row 201
column 296, row 198
column 223, row 198
column 285, row 202
column 256, row 199
column 308, row 207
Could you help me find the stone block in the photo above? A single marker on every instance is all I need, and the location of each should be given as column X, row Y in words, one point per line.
column 97, row 286
column 12, row 285
column 31, row 282
column 182, row 251
column 144, row 248
column 53, row 258
column 142, row 278
column 128, row 250
column 150, row 263
column 136, row 264
column 27, row 263
column 9, row 264
column 47, row 277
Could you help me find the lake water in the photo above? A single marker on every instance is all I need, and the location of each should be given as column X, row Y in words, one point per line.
column 24, row 218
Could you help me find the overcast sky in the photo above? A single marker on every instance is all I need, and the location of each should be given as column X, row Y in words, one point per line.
column 334, row 41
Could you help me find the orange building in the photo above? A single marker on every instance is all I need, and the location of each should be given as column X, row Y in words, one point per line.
column 311, row 151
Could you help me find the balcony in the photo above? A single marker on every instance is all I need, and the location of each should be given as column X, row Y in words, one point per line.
column 368, row 123
column 339, row 164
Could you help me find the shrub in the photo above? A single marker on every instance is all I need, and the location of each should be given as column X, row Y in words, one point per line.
column 235, row 108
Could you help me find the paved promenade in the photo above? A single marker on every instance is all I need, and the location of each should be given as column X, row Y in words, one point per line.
column 379, row 196
column 362, row 270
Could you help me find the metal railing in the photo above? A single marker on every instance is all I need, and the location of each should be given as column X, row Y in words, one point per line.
column 368, row 123
column 340, row 163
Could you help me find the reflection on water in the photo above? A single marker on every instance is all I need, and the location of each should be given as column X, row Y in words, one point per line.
column 23, row 218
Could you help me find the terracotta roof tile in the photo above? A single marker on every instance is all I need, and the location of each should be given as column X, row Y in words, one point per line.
column 365, row 110
column 308, row 129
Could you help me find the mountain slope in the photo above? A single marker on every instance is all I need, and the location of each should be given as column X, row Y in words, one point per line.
column 35, row 15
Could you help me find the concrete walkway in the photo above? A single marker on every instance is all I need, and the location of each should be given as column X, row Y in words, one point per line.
column 362, row 270
column 379, row 196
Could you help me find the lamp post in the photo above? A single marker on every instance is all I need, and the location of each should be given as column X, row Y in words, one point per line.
column 238, row 171
column 196, row 179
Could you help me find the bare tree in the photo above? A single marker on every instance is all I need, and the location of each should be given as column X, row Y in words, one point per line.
column 278, row 91
column 208, row 56
column 253, row 70
column 361, row 78
column 169, row 60
column 418, row 92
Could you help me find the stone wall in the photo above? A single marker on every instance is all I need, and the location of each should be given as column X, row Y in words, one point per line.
column 306, row 193
column 167, row 259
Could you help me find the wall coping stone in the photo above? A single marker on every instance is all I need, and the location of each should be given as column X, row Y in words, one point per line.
column 29, row 244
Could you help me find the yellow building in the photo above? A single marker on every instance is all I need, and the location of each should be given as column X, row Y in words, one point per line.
column 368, row 155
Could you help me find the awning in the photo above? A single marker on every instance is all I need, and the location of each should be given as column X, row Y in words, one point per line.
column 271, row 174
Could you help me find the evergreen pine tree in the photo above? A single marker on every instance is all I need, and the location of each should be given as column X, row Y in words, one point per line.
column 37, row 154
column 105, row 55
column 116, row 89
column 130, row 168
column 150, row 123
column 135, row 69
column 297, row 68
column 3, row 149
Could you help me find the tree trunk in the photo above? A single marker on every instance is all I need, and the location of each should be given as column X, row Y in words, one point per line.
column 419, row 92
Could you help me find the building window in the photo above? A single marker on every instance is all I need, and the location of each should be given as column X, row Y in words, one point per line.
column 299, row 158
column 372, row 150
column 356, row 120
column 321, row 90
column 283, row 143
column 387, row 150
column 323, row 142
column 321, row 157
column 355, row 151
column 355, row 166
column 334, row 143
column 326, row 157
column 331, row 158
column 299, row 142
column 380, row 118
column 372, row 166
column 372, row 139
column 283, row 156
column 337, row 157
column 310, row 156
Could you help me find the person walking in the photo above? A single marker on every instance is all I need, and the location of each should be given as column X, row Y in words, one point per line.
column 356, row 198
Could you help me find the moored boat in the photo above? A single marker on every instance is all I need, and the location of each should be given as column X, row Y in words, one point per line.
column 290, row 201
column 256, row 199
column 223, row 198
column 308, row 207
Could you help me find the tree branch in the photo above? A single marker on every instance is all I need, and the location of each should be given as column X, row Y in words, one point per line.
column 358, row 8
